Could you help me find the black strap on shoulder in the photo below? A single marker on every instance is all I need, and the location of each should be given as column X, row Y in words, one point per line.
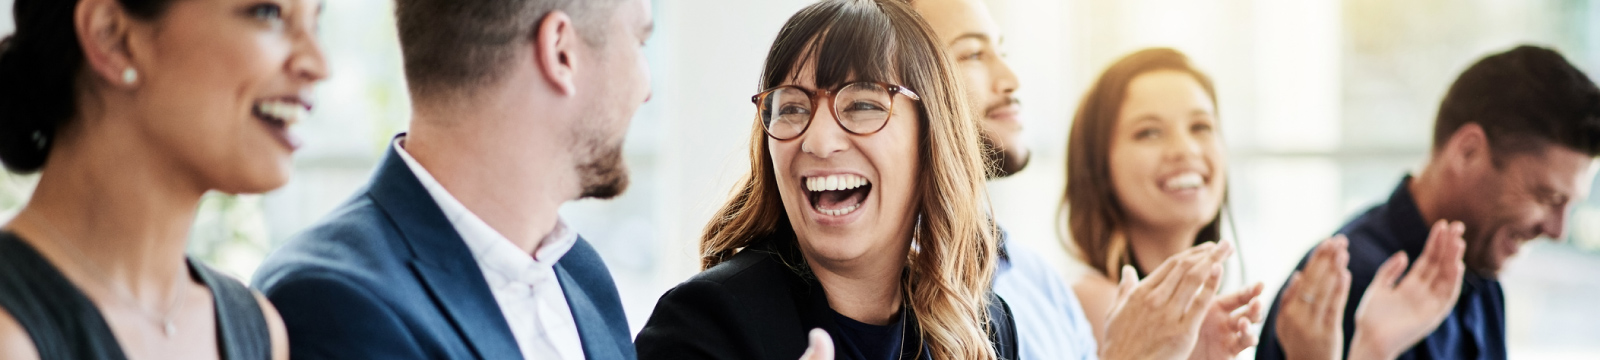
column 60, row 320
column 241, row 326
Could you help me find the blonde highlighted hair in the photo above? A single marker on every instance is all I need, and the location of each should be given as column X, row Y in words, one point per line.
column 947, row 282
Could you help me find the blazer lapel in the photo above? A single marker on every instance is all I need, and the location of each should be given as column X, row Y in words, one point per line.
column 440, row 258
column 592, row 330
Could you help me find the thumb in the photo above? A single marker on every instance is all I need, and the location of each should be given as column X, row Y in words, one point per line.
column 821, row 347
column 1130, row 279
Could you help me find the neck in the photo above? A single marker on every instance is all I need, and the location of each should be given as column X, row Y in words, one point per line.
column 1153, row 245
column 868, row 293
column 99, row 212
column 1427, row 191
column 514, row 182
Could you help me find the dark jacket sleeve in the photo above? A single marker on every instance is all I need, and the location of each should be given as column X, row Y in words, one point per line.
column 1003, row 329
column 328, row 318
column 697, row 320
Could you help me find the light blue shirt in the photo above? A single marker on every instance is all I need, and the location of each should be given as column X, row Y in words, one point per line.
column 1050, row 322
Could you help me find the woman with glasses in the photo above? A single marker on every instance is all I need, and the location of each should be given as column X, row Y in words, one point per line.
column 130, row 110
column 862, row 214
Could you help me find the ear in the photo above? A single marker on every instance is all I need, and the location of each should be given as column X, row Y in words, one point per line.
column 103, row 32
column 1468, row 148
column 555, row 42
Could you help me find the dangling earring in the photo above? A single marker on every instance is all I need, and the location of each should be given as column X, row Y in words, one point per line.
column 129, row 76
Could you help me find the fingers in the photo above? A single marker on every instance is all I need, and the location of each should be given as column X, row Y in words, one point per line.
column 1130, row 279
column 1333, row 314
column 1181, row 269
column 1425, row 266
column 1236, row 300
column 1244, row 340
column 1202, row 299
column 820, row 348
column 1291, row 292
column 1390, row 271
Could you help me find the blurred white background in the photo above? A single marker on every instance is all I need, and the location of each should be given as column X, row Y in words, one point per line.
column 1325, row 104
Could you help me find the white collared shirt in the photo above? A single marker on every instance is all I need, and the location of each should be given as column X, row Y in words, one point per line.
column 524, row 286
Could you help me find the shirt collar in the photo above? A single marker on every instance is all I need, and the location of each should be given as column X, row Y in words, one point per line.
column 1405, row 219
column 492, row 250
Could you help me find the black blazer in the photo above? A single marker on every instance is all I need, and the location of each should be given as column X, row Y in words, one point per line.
column 758, row 305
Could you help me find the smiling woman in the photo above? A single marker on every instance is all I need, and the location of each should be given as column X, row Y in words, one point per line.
column 863, row 213
column 152, row 104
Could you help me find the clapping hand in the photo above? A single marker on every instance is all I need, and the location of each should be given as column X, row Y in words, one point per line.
column 1160, row 317
column 1311, row 312
column 1394, row 315
column 820, row 348
column 1226, row 330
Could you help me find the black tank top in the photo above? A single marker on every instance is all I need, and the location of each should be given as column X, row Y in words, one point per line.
column 64, row 324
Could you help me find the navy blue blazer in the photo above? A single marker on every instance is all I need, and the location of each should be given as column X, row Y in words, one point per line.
column 385, row 276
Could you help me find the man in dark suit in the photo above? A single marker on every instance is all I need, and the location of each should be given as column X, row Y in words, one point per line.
column 455, row 248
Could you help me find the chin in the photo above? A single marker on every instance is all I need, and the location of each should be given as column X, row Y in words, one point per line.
column 833, row 249
column 258, row 179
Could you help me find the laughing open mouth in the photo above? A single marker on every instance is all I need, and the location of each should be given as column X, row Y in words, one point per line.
column 280, row 113
column 837, row 195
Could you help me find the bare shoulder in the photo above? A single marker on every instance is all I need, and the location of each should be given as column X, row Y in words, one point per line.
column 1098, row 294
column 1095, row 290
column 15, row 343
column 275, row 328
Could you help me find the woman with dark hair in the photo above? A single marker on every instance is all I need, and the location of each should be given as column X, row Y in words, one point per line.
column 1147, row 180
column 863, row 213
column 130, row 110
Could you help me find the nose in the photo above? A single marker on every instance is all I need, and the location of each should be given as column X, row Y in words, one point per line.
column 1183, row 145
column 825, row 136
column 1555, row 225
column 307, row 61
column 1005, row 81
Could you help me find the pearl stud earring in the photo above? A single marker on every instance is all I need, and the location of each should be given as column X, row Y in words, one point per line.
column 129, row 76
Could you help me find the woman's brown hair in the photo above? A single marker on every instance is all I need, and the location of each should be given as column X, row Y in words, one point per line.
column 948, row 275
column 1095, row 218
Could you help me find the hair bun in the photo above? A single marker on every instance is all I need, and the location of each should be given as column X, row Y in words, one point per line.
column 20, row 135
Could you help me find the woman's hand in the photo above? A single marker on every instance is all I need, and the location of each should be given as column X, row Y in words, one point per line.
column 821, row 347
column 1226, row 330
column 1160, row 317
column 1393, row 316
column 1311, row 312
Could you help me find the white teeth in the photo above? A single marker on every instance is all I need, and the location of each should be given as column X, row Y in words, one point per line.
column 835, row 182
column 839, row 212
column 287, row 112
column 1185, row 182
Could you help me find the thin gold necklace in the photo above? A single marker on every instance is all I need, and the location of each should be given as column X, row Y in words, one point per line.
column 123, row 294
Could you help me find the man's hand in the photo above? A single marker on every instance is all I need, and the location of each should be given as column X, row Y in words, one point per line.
column 821, row 347
column 1226, row 330
column 1393, row 316
column 1311, row 311
column 1160, row 317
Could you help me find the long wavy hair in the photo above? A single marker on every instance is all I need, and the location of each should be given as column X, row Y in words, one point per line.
column 1095, row 218
column 948, row 272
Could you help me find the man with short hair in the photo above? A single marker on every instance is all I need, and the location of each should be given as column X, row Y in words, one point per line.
column 1514, row 148
column 455, row 248
column 1051, row 323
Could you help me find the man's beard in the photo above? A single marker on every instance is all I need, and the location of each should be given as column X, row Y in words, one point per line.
column 601, row 172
